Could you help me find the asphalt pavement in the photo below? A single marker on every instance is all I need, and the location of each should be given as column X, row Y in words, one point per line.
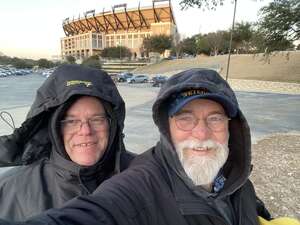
column 267, row 114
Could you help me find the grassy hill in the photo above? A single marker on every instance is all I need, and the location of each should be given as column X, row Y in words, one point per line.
column 281, row 66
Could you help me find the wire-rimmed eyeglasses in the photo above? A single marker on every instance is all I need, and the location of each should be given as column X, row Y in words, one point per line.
column 97, row 123
column 187, row 121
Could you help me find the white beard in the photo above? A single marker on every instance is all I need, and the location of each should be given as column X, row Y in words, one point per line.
column 202, row 170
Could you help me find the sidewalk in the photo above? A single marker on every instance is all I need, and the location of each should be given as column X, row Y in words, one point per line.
column 265, row 86
column 258, row 85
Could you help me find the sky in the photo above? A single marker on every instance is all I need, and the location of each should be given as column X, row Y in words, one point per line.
column 33, row 28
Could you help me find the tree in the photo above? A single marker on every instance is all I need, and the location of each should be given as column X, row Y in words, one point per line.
column 44, row 63
column 279, row 24
column 5, row 60
column 70, row 59
column 280, row 20
column 213, row 43
column 22, row 63
column 92, row 61
column 118, row 52
column 157, row 43
column 209, row 4
column 202, row 44
column 212, row 4
column 26, row 63
column 258, row 42
column 177, row 45
column 242, row 37
column 189, row 46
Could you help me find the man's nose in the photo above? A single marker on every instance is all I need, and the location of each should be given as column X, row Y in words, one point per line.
column 201, row 131
column 85, row 128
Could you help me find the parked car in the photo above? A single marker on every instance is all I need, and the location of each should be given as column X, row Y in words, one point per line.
column 3, row 74
column 158, row 80
column 122, row 77
column 113, row 76
column 138, row 79
column 47, row 72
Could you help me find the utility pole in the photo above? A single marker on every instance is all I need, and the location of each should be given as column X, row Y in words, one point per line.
column 230, row 42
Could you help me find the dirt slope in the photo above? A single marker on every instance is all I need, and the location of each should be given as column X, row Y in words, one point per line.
column 281, row 66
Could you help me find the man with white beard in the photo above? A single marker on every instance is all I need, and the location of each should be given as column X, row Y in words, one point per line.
column 202, row 147
column 196, row 174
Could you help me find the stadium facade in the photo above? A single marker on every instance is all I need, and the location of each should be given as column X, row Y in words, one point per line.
column 90, row 34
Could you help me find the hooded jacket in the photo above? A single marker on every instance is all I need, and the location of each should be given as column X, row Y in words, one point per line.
column 236, row 202
column 44, row 176
column 156, row 190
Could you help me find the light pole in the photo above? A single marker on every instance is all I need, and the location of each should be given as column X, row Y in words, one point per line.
column 120, row 41
column 120, row 50
column 230, row 42
column 120, row 53
column 119, row 45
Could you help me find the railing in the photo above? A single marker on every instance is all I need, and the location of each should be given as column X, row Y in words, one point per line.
column 119, row 67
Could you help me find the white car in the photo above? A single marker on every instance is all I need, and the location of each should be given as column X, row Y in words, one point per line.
column 138, row 79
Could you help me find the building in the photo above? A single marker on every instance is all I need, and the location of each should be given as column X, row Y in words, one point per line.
column 90, row 34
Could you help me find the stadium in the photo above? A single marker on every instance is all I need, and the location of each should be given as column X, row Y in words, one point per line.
column 90, row 34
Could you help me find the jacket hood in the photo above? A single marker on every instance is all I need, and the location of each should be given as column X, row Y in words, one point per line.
column 238, row 165
column 59, row 155
column 67, row 81
column 32, row 140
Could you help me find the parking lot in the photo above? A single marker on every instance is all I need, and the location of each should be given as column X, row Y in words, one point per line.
column 267, row 113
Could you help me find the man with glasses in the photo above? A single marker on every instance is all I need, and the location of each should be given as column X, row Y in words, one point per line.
column 70, row 142
column 197, row 174
column 199, row 133
column 85, row 130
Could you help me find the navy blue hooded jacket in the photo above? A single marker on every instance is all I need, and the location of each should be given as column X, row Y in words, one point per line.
column 44, row 176
column 156, row 190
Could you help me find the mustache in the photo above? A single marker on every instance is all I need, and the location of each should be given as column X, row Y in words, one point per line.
column 196, row 144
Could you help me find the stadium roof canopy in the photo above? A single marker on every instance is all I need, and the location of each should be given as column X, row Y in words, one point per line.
column 120, row 19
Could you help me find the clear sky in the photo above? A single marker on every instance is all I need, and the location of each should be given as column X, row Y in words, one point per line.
column 33, row 28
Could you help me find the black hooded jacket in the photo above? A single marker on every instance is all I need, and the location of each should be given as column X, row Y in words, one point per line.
column 44, row 176
column 156, row 190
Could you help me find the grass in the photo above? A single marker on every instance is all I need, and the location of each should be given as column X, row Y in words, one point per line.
column 280, row 66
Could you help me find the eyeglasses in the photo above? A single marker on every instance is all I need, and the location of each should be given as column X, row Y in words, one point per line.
column 97, row 123
column 187, row 121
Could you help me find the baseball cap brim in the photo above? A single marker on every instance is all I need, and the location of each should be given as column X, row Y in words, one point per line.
column 229, row 107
